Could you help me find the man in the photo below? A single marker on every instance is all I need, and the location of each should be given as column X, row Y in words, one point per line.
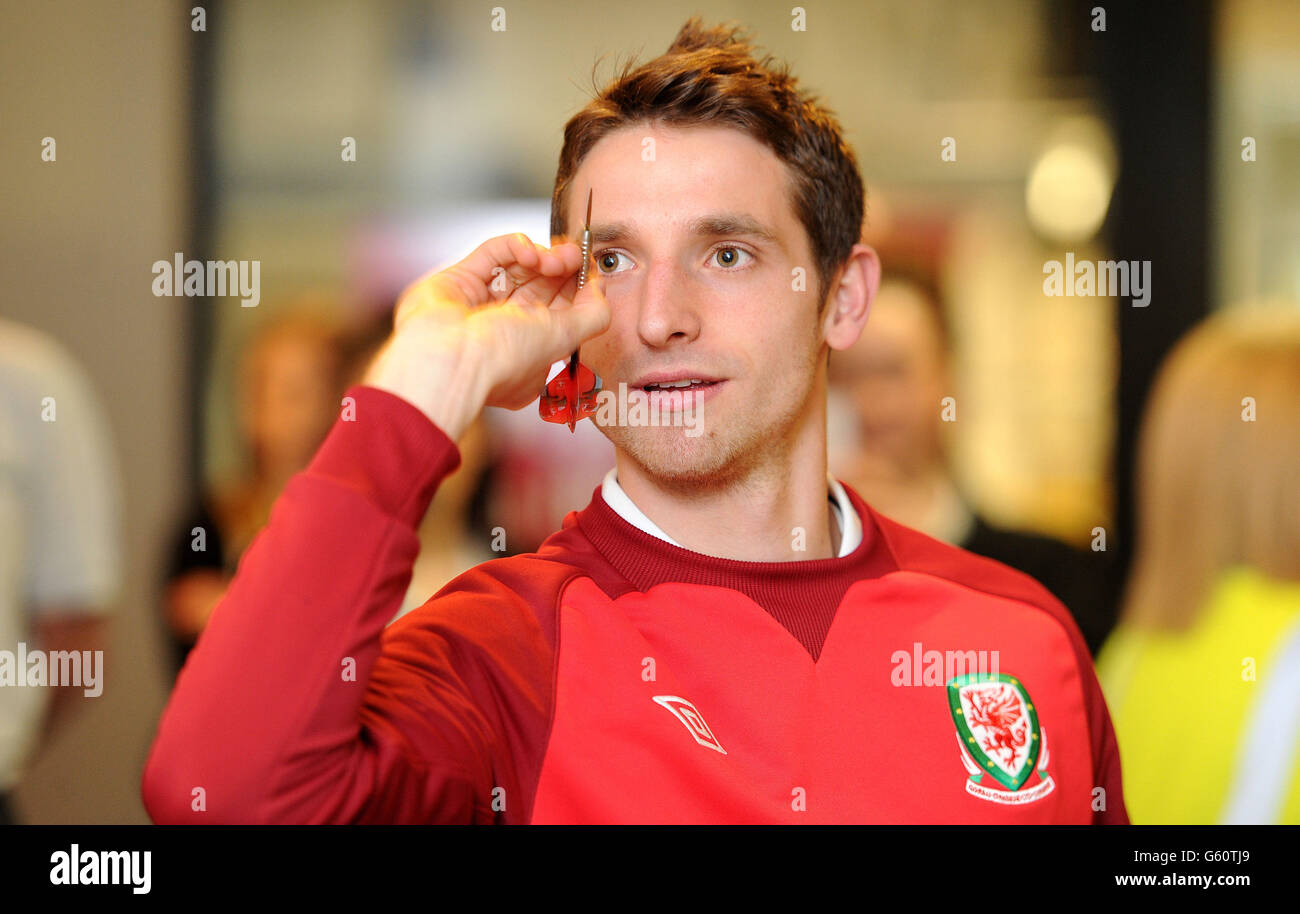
column 895, row 378
column 723, row 634
column 60, row 553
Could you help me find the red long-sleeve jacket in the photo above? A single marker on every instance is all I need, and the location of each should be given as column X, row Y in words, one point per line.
column 615, row 677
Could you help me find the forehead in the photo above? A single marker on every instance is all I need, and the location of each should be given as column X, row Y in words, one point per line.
column 654, row 178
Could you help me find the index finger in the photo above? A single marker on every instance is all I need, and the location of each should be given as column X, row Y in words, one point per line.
column 515, row 254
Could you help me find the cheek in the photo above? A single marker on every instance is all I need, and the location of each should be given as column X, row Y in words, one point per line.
column 787, row 343
column 600, row 353
column 608, row 353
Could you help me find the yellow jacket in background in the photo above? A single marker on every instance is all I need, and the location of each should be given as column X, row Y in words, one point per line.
column 1208, row 720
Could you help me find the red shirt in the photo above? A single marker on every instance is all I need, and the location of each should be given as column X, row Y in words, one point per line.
column 615, row 677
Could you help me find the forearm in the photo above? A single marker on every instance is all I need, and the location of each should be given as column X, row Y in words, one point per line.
column 446, row 382
column 190, row 599
column 73, row 630
column 265, row 718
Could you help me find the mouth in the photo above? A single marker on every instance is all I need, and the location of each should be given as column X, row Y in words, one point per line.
column 670, row 381
column 679, row 391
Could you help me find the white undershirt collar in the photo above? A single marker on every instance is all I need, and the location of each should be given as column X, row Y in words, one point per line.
column 845, row 516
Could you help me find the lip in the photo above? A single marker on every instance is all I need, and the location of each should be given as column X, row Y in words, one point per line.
column 687, row 398
column 665, row 377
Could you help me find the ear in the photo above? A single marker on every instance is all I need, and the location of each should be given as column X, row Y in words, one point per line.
column 851, row 297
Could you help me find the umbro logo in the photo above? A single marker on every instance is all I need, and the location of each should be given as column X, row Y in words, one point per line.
column 691, row 718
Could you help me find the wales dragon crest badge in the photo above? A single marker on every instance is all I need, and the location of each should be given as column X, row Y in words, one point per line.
column 1000, row 737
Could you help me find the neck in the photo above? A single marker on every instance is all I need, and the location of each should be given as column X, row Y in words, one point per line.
column 776, row 511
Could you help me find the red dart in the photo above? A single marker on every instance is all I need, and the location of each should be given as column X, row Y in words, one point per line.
column 568, row 402
column 570, row 396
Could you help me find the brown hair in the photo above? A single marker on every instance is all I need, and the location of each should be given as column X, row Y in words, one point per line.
column 710, row 77
column 1216, row 490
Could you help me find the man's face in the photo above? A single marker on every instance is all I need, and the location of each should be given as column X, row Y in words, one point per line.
column 697, row 291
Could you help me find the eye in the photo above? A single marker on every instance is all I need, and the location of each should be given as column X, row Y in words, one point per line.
column 730, row 256
column 607, row 261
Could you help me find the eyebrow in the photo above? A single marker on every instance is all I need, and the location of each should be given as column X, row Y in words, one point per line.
column 710, row 226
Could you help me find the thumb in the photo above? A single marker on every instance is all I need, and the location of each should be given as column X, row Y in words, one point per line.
column 588, row 316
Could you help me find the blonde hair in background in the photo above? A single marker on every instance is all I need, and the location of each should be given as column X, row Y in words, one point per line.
column 1216, row 490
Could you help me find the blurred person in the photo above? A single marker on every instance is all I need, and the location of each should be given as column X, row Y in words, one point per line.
column 539, row 471
column 668, row 655
column 289, row 391
column 894, row 379
column 1203, row 670
column 60, row 547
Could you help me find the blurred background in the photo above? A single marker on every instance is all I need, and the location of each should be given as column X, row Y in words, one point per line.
column 350, row 147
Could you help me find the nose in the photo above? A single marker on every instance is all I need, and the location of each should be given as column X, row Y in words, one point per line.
column 669, row 310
